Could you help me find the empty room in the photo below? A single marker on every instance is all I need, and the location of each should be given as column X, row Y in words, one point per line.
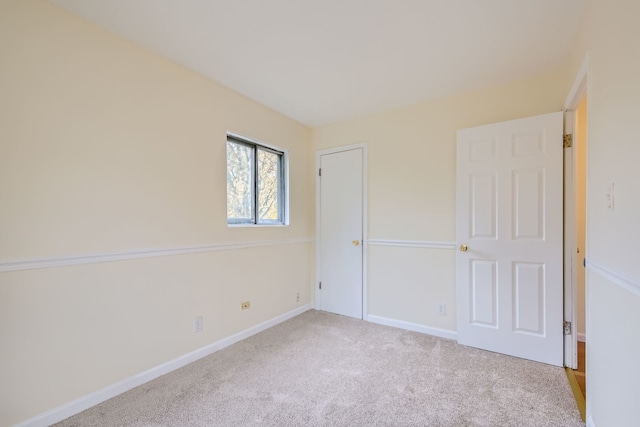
column 338, row 212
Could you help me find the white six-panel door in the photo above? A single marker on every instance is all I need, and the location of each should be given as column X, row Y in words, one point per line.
column 340, row 232
column 509, row 235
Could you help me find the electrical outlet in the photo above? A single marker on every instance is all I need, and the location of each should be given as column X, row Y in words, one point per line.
column 298, row 297
column 245, row 305
column 442, row 309
column 197, row 324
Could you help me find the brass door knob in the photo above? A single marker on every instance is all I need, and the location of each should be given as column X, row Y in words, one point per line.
column 464, row 248
column 356, row 242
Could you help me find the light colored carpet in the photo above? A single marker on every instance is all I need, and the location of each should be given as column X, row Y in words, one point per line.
column 320, row 369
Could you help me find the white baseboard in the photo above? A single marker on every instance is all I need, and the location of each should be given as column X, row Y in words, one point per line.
column 442, row 333
column 582, row 337
column 78, row 405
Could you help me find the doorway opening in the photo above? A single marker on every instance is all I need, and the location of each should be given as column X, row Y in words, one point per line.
column 575, row 217
column 580, row 179
column 576, row 237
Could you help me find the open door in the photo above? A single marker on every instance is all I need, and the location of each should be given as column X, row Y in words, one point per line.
column 509, row 228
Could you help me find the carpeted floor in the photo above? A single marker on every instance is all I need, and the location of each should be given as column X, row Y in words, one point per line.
column 320, row 369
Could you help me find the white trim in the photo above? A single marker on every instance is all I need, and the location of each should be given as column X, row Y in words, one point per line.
column 578, row 91
column 365, row 173
column 437, row 332
column 413, row 244
column 365, row 234
column 582, row 337
column 570, row 294
column 579, row 87
column 316, row 284
column 361, row 145
column 618, row 277
column 48, row 262
column 78, row 405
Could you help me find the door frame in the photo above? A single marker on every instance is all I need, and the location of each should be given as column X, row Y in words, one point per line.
column 577, row 92
column 361, row 146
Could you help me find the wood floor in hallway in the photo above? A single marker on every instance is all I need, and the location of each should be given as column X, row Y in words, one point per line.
column 581, row 372
column 578, row 380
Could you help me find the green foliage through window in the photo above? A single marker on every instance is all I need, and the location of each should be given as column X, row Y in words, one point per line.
column 255, row 183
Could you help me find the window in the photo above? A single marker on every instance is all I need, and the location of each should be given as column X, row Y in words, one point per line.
column 255, row 183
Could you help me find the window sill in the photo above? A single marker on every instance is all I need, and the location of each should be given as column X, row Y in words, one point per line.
column 256, row 225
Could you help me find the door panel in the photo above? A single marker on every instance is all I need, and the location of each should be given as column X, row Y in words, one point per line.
column 484, row 293
column 341, row 209
column 483, row 206
column 509, row 215
column 528, row 301
column 528, row 201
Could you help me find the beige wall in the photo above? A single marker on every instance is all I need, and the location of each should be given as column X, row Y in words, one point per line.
column 610, row 34
column 106, row 147
column 411, row 189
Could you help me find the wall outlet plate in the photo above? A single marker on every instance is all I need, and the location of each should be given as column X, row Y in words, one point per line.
column 197, row 324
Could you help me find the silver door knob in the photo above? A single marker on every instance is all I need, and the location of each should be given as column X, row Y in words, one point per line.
column 464, row 248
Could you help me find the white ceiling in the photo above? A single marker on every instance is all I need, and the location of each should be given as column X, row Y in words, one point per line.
column 325, row 61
